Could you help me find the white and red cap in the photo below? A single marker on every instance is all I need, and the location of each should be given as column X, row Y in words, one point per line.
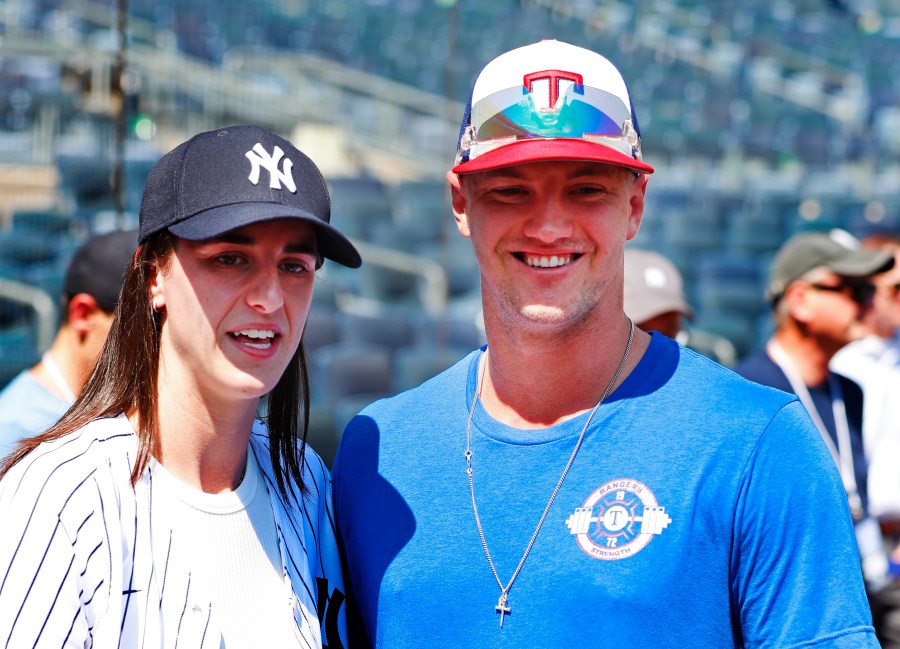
column 549, row 101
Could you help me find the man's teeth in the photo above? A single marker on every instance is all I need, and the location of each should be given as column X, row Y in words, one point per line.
column 548, row 262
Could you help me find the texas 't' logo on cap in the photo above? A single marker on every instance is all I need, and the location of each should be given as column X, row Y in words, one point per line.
column 547, row 86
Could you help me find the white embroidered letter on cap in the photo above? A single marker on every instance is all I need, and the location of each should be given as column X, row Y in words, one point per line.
column 258, row 156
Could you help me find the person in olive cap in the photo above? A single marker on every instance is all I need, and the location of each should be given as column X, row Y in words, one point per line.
column 163, row 509
column 820, row 289
column 36, row 398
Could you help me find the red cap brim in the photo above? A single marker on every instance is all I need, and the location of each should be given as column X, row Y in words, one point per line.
column 539, row 149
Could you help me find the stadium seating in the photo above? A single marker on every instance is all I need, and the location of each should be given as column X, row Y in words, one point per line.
column 762, row 119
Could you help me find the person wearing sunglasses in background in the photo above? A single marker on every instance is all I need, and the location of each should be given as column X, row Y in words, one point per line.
column 821, row 290
column 578, row 480
column 874, row 363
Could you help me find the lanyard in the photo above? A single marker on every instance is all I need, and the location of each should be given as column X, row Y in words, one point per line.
column 58, row 380
column 843, row 453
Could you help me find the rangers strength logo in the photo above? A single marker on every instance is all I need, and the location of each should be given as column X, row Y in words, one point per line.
column 627, row 518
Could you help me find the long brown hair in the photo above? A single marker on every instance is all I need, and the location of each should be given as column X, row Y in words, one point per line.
column 125, row 381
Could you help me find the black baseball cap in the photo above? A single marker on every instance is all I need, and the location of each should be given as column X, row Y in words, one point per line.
column 225, row 179
column 99, row 265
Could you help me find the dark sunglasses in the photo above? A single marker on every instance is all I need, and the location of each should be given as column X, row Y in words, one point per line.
column 859, row 292
column 893, row 289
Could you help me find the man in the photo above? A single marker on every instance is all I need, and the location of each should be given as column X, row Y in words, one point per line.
column 820, row 288
column 577, row 480
column 654, row 293
column 38, row 396
column 874, row 363
column 654, row 299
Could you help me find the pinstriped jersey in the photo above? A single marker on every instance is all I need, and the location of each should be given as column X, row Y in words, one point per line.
column 87, row 561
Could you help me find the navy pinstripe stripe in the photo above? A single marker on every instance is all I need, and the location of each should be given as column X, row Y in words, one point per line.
column 33, row 579
column 187, row 592
column 131, row 576
column 40, row 493
column 302, row 637
column 109, row 574
column 53, row 603
column 162, row 588
column 31, row 515
column 96, row 588
column 71, row 627
column 206, row 626
column 299, row 534
column 323, row 476
column 56, row 449
column 149, row 474
column 83, row 523
column 88, row 560
column 293, row 564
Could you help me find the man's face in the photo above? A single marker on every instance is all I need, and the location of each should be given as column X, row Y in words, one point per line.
column 884, row 318
column 832, row 307
column 549, row 238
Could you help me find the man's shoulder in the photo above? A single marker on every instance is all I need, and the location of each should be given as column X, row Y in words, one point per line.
column 753, row 388
column 26, row 408
column 697, row 371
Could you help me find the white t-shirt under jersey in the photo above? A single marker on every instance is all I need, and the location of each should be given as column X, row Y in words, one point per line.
column 235, row 545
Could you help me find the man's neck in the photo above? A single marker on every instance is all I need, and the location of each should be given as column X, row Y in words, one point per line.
column 544, row 381
column 60, row 370
column 806, row 355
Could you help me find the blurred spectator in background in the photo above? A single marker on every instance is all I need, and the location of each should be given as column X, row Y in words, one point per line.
column 654, row 298
column 820, row 288
column 654, row 293
column 38, row 397
column 874, row 363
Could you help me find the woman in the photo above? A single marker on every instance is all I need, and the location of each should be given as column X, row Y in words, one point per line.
column 158, row 511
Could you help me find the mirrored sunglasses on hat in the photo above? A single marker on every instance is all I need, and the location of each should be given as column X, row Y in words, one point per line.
column 581, row 113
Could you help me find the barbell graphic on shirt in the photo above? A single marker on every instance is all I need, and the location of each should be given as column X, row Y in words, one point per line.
column 653, row 519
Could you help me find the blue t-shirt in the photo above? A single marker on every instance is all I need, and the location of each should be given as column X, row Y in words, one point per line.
column 761, row 368
column 26, row 408
column 702, row 510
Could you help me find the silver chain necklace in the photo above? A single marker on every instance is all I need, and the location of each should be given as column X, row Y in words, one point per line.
column 502, row 604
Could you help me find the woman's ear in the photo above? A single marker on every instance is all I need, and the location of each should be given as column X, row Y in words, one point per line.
column 157, row 292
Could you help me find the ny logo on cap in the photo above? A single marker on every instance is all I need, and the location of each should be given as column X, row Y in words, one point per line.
column 259, row 157
column 549, row 86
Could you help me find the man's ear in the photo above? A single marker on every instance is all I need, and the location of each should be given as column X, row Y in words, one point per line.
column 458, row 201
column 81, row 309
column 638, row 192
column 796, row 296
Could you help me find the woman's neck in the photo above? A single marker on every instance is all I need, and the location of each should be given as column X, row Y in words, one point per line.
column 204, row 444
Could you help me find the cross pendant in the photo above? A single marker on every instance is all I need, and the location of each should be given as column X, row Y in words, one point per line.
column 501, row 607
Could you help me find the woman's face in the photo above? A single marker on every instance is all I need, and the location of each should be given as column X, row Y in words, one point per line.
column 235, row 308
